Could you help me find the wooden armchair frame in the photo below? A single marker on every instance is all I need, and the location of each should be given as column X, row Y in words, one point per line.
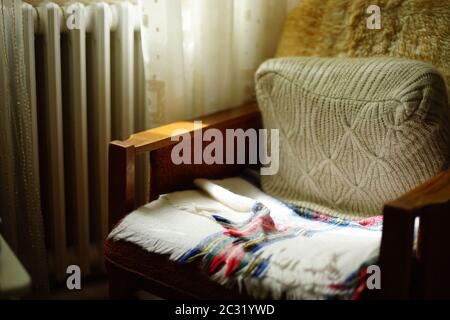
column 407, row 271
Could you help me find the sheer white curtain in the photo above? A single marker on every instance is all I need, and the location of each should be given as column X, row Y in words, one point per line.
column 20, row 209
column 200, row 56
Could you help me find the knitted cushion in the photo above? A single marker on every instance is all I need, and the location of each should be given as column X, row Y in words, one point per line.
column 354, row 132
column 413, row 29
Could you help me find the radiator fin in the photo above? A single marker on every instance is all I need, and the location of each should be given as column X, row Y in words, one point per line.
column 87, row 87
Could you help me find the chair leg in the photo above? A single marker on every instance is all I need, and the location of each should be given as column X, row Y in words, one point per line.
column 122, row 286
column 121, row 290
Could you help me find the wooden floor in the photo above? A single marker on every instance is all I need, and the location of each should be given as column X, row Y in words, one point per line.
column 97, row 290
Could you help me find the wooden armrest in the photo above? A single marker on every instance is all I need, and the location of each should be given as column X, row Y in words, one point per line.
column 434, row 191
column 165, row 176
column 161, row 137
column 422, row 272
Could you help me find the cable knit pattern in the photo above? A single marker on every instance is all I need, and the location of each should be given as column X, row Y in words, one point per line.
column 354, row 132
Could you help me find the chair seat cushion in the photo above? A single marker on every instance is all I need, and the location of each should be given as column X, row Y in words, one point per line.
column 354, row 133
column 312, row 263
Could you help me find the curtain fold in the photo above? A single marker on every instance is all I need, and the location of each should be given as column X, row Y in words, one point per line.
column 200, row 56
column 20, row 209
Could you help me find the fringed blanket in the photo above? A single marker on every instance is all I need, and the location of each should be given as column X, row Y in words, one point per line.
column 236, row 248
column 252, row 240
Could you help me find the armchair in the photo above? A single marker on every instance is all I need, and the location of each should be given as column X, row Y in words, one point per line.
column 405, row 273
column 411, row 266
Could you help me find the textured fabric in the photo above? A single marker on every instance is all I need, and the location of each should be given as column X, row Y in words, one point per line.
column 237, row 247
column 20, row 208
column 200, row 56
column 319, row 262
column 414, row 29
column 354, row 133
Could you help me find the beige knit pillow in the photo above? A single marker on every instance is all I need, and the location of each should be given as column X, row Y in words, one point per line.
column 354, row 132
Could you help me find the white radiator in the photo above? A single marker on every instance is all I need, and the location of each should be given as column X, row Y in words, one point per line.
column 87, row 87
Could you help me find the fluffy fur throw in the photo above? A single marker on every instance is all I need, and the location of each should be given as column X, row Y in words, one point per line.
column 415, row 29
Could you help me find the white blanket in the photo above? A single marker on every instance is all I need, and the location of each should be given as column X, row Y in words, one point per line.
column 303, row 267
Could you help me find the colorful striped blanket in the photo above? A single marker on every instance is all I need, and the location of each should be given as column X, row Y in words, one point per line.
column 237, row 250
column 250, row 240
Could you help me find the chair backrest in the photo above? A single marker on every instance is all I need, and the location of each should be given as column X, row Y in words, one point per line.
column 354, row 133
column 413, row 29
